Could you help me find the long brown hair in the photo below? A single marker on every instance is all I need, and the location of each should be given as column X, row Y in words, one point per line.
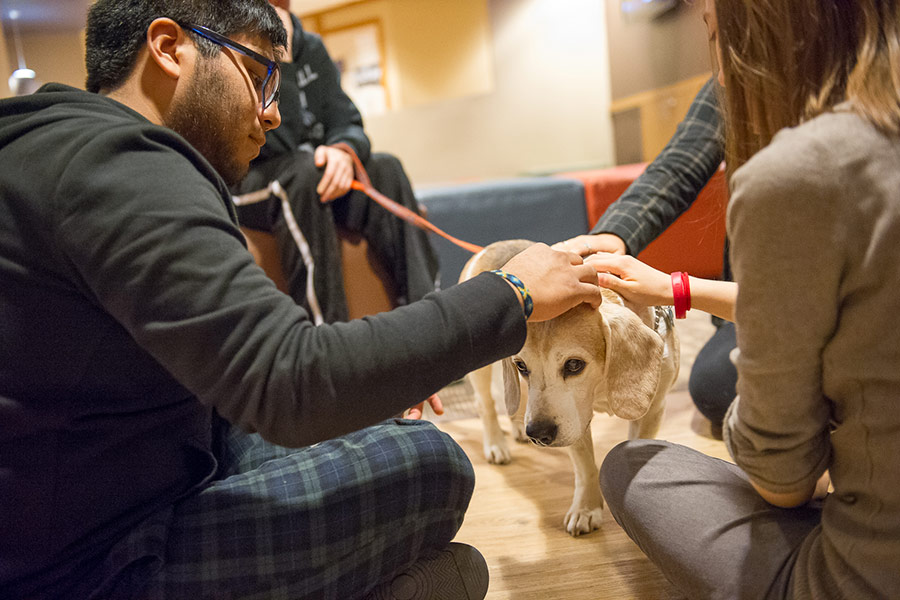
column 787, row 61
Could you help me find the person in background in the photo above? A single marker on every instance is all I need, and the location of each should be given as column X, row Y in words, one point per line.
column 299, row 188
column 812, row 109
column 171, row 425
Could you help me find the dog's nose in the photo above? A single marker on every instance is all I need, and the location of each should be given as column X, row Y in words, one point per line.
column 542, row 432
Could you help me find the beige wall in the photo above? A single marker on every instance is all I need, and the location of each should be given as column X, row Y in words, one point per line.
column 434, row 49
column 547, row 105
column 56, row 56
column 457, row 62
column 535, row 85
column 645, row 55
column 656, row 68
column 6, row 64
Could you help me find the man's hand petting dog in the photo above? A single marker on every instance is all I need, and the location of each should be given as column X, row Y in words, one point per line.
column 557, row 281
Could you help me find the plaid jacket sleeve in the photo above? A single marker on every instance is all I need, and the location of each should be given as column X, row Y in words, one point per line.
column 673, row 180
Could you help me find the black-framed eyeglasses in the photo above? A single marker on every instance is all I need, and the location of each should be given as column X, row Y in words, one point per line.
column 268, row 87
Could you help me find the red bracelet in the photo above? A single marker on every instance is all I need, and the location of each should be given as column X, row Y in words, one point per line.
column 681, row 294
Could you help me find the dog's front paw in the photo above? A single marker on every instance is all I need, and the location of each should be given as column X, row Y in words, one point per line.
column 518, row 431
column 583, row 520
column 497, row 454
column 496, row 451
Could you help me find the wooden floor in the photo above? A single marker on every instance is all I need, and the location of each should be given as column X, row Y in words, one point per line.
column 516, row 515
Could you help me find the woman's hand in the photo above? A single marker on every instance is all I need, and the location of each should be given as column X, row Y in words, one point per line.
column 793, row 499
column 642, row 284
column 823, row 486
column 633, row 280
column 583, row 245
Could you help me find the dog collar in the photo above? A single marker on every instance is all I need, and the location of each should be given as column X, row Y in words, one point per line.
column 663, row 323
column 663, row 319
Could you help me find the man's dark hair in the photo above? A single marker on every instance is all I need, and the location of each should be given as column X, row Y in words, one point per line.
column 117, row 29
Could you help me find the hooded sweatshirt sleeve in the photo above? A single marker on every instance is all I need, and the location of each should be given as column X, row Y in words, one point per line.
column 146, row 235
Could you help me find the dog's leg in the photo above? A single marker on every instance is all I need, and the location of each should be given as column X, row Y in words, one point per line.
column 495, row 449
column 517, row 421
column 587, row 504
column 648, row 426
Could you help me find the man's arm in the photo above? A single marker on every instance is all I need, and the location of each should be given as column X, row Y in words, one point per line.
column 671, row 183
column 170, row 266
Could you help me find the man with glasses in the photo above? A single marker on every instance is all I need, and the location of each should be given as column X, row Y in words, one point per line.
column 299, row 188
column 148, row 366
column 267, row 87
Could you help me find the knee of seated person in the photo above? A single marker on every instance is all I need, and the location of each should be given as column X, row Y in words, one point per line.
column 436, row 451
column 304, row 167
column 620, row 466
column 384, row 162
column 711, row 390
column 611, row 467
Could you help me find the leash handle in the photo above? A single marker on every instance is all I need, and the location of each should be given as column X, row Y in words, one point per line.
column 363, row 184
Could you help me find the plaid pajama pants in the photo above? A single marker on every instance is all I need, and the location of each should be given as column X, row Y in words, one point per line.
column 328, row 521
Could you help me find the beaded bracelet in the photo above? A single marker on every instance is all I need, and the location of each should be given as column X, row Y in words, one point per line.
column 527, row 302
column 681, row 293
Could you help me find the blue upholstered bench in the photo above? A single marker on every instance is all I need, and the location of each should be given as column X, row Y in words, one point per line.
column 543, row 209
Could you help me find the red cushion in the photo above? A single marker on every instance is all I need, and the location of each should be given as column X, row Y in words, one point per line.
column 693, row 243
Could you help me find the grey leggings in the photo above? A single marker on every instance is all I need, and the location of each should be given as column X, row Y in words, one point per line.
column 700, row 521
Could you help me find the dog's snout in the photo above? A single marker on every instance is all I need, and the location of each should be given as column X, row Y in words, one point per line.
column 542, row 432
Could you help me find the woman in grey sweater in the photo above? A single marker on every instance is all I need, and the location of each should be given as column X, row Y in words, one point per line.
column 812, row 109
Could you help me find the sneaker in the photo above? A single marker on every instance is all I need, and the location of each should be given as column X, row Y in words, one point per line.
column 458, row 572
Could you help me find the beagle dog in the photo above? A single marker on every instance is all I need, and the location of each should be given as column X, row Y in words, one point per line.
column 619, row 359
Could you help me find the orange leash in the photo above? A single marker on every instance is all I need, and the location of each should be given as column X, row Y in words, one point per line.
column 363, row 184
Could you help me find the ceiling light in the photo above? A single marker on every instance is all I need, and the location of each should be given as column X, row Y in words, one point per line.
column 23, row 81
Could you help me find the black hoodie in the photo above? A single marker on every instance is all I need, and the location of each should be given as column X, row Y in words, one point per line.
column 315, row 110
column 130, row 307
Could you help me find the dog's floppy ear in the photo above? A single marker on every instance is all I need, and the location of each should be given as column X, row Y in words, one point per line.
column 633, row 361
column 511, row 389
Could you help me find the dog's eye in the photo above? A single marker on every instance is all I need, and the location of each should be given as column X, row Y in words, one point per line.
column 522, row 367
column 573, row 366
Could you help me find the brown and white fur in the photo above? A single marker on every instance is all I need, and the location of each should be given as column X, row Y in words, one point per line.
column 613, row 359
